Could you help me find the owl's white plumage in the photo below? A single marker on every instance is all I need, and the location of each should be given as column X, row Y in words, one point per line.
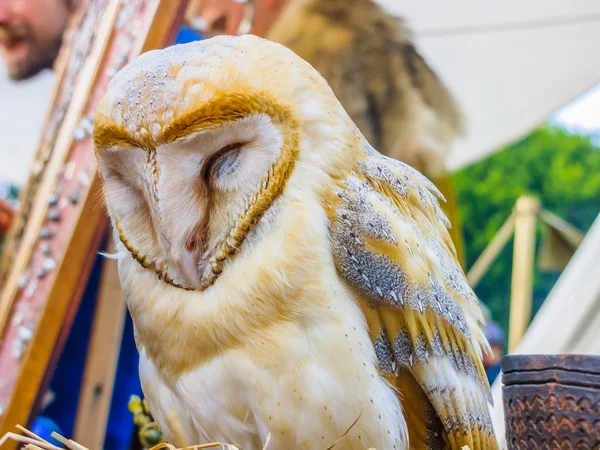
column 231, row 175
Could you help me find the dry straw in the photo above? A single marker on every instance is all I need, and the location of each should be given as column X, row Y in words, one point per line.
column 34, row 442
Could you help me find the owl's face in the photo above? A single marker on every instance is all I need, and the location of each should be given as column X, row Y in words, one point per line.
column 197, row 142
column 180, row 200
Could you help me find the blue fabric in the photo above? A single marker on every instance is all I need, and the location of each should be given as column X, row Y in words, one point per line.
column 44, row 427
column 493, row 372
column 186, row 35
column 66, row 381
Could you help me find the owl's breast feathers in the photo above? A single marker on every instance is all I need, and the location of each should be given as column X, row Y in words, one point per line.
column 392, row 248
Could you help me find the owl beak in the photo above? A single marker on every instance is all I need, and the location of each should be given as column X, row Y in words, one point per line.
column 189, row 266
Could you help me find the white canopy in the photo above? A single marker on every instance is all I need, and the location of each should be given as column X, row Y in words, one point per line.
column 511, row 64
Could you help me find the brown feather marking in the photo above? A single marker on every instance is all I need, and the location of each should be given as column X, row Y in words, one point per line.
column 161, row 273
column 223, row 107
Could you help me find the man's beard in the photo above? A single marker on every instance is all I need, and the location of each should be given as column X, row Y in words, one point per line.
column 39, row 55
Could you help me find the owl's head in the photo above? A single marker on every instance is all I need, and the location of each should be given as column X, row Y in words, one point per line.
column 197, row 142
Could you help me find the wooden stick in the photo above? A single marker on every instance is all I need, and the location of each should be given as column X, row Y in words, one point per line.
column 72, row 445
column 491, row 252
column 161, row 29
column 268, row 441
column 27, row 440
column 526, row 211
column 31, row 434
column 102, row 358
column 37, row 443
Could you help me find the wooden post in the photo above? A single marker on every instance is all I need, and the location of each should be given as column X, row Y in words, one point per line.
column 102, row 359
column 491, row 252
column 526, row 211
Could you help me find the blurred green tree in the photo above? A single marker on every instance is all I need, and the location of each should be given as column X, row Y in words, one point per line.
column 559, row 167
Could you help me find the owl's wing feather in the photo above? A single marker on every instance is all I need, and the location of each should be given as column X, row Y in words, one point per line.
column 391, row 246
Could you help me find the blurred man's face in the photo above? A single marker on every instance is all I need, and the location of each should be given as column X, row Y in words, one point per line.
column 31, row 34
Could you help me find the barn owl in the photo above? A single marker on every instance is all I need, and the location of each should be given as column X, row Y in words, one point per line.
column 285, row 280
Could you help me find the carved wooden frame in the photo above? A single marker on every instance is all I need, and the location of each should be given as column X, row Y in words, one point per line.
column 60, row 226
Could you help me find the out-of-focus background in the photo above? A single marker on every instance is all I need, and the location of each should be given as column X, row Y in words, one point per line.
column 512, row 67
column 526, row 78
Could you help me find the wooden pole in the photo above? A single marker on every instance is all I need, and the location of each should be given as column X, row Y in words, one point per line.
column 526, row 211
column 102, row 359
column 63, row 144
column 491, row 252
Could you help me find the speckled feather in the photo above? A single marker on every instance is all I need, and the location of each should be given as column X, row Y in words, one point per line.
column 390, row 244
